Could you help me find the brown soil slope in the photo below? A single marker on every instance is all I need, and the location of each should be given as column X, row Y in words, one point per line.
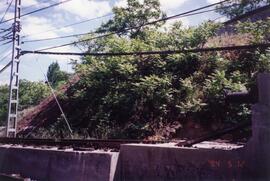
column 44, row 113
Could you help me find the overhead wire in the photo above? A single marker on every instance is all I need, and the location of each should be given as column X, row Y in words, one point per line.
column 5, row 67
column 4, row 30
column 8, row 42
column 6, row 56
column 38, row 10
column 91, row 19
column 5, row 13
column 69, row 25
column 91, row 33
column 47, row 7
column 56, row 100
column 6, row 36
column 130, row 28
column 44, row 1
column 158, row 52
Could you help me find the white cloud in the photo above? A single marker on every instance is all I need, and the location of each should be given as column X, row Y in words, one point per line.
column 36, row 27
column 33, row 3
column 63, row 59
column 166, row 5
column 34, row 24
column 170, row 5
column 185, row 23
column 4, row 82
column 86, row 8
column 3, row 6
column 4, row 75
column 121, row 3
column 213, row 1
column 29, row 3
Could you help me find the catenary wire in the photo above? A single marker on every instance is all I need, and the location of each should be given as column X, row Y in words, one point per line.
column 146, row 24
column 56, row 99
column 6, row 56
column 38, row 10
column 5, row 13
column 5, row 67
column 161, row 52
column 44, row 1
column 91, row 33
column 69, row 25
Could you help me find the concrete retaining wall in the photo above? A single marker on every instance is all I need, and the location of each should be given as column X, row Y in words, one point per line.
column 53, row 165
column 147, row 163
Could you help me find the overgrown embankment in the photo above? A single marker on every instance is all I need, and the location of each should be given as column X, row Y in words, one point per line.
column 157, row 96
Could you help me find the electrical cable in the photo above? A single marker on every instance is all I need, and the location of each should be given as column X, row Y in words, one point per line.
column 28, row 7
column 6, row 56
column 55, row 97
column 161, row 52
column 47, row 7
column 90, row 33
column 6, row 42
column 130, row 28
column 41, row 9
column 5, row 13
column 5, row 30
column 69, row 25
column 5, row 67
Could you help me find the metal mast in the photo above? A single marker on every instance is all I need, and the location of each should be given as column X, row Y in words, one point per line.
column 14, row 75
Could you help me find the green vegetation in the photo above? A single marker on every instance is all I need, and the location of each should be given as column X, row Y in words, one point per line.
column 135, row 15
column 31, row 93
column 55, row 76
column 154, row 95
column 3, row 104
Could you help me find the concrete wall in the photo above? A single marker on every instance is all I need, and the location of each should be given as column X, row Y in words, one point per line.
column 52, row 165
column 147, row 163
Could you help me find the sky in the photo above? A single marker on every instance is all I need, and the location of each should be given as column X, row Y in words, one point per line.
column 37, row 26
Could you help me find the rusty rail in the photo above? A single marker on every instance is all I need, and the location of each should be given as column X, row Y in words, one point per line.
column 73, row 143
column 215, row 135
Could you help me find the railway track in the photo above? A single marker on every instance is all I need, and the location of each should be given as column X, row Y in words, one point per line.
column 76, row 144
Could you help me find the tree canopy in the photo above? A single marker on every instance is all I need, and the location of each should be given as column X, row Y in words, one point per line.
column 155, row 95
column 55, row 75
column 139, row 96
column 133, row 16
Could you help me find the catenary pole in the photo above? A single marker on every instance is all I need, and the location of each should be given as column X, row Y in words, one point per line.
column 14, row 74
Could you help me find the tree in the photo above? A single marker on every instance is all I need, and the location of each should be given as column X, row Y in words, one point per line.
column 55, row 75
column 141, row 94
column 3, row 103
column 238, row 7
column 135, row 14
column 30, row 94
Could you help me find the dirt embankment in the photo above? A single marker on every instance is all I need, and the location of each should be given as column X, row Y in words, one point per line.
column 44, row 113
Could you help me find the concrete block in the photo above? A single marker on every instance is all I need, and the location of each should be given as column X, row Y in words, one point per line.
column 264, row 88
column 160, row 163
column 54, row 165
